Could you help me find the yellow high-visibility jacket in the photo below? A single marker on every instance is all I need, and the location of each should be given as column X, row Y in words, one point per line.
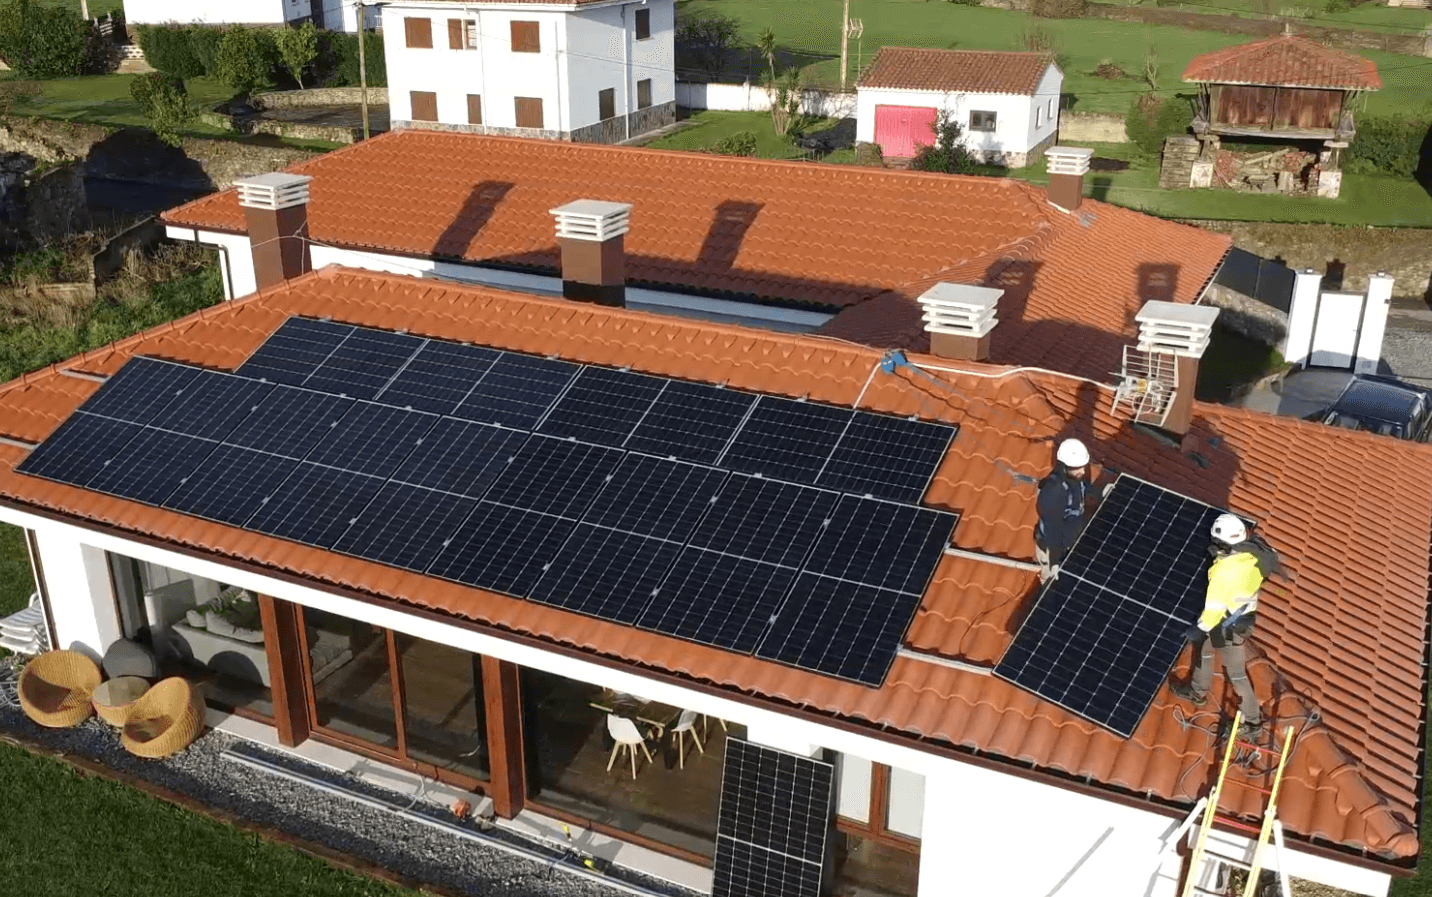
column 1233, row 583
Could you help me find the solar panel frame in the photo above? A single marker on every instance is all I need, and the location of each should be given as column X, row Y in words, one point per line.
column 718, row 599
column 517, row 390
column 362, row 365
column 294, row 350
column 315, row 505
column 372, row 438
column 151, row 465
column 213, row 404
column 605, row 573
column 501, row 549
column 439, row 376
column 887, row 457
column 140, row 390
column 691, row 421
column 554, row 476
column 460, row 456
column 786, row 439
column 602, row 406
column 230, row 485
column 855, row 546
column 405, row 526
column 87, row 439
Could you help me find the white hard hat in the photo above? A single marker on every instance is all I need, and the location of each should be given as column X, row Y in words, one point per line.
column 1229, row 528
column 1072, row 453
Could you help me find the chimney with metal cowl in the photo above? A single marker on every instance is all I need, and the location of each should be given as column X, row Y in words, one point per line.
column 276, row 208
column 1180, row 333
column 1067, row 167
column 959, row 318
column 591, row 234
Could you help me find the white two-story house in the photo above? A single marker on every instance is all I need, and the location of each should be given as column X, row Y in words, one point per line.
column 594, row 71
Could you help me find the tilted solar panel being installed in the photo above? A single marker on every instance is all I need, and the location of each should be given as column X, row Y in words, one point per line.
column 757, row 524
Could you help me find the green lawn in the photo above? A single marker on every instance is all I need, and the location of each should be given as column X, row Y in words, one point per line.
column 1085, row 43
column 97, row 8
column 705, row 127
column 105, row 100
column 1370, row 16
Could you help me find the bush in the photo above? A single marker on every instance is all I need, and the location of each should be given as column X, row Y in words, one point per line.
column 1398, row 145
column 297, row 48
column 165, row 104
column 869, row 154
column 170, row 49
column 966, row 2
column 1150, row 122
column 338, row 60
column 41, row 42
column 244, row 59
column 741, row 143
column 948, row 155
column 1336, row 6
column 1058, row 9
column 205, row 40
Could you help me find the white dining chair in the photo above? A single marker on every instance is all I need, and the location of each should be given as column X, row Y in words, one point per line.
column 687, row 723
column 626, row 735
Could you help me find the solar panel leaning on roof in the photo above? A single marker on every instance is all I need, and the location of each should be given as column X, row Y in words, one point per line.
column 441, row 473
column 1105, row 632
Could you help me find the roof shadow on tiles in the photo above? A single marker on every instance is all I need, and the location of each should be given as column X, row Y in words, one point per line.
column 477, row 210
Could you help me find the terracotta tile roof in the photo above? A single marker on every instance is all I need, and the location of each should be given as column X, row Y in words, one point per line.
column 956, row 71
column 823, row 236
column 1344, row 641
column 1285, row 59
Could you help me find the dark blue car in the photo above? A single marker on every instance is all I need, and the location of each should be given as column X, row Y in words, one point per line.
column 1381, row 405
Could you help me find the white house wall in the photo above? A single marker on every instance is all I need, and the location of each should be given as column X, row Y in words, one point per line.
column 230, row 12
column 79, row 588
column 342, row 15
column 601, row 44
column 1014, row 131
column 1043, row 120
column 753, row 98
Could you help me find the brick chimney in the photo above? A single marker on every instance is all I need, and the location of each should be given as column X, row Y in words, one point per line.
column 959, row 318
column 276, row 207
column 1067, row 167
column 591, row 235
column 1172, row 328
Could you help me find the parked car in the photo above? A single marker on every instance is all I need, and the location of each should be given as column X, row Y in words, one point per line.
column 1382, row 405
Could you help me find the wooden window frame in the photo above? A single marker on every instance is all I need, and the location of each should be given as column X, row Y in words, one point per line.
column 462, row 34
column 605, row 114
column 993, row 121
column 643, row 18
column 526, row 36
column 517, row 113
column 417, row 36
column 474, row 102
column 643, row 87
column 873, row 828
column 413, row 104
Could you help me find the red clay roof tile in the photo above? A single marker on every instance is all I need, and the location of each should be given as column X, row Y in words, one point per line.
column 1285, row 60
column 956, row 71
column 1338, row 654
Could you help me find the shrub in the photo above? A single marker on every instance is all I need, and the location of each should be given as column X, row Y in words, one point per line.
column 1337, row 6
column 297, row 48
column 741, row 143
column 869, row 154
column 338, row 60
column 244, row 59
column 1398, row 145
column 170, row 49
column 948, row 155
column 1058, row 9
column 205, row 40
column 1150, row 122
column 165, row 104
column 966, row 2
column 41, row 42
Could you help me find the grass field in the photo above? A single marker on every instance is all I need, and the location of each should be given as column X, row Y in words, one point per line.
column 105, row 100
column 97, row 8
column 706, row 127
column 808, row 34
column 1370, row 16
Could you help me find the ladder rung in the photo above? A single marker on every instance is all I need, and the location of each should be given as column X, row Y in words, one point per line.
column 1249, row 787
column 1235, row 824
column 1258, row 748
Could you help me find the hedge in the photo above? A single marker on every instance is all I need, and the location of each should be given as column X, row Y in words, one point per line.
column 188, row 51
column 1150, row 121
column 41, row 42
column 1390, row 144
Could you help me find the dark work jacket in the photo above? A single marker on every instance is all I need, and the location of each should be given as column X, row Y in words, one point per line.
column 1062, row 503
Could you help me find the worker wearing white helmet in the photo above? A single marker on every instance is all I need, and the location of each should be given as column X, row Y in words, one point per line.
column 1064, row 506
column 1230, row 609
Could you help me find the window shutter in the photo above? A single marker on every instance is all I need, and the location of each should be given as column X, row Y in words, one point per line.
column 526, row 37
column 529, row 112
column 474, row 109
column 419, row 33
column 455, row 34
column 643, row 93
column 425, row 105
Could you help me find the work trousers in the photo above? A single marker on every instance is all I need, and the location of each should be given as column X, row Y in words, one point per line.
column 1234, row 658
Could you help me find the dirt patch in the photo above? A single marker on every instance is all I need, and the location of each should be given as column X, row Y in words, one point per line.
column 1099, row 163
column 1110, row 72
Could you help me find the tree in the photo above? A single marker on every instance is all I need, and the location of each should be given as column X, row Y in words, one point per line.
column 948, row 155
column 42, row 42
column 785, row 92
column 298, row 48
column 709, row 37
column 165, row 103
column 766, row 43
column 243, row 60
column 1151, row 67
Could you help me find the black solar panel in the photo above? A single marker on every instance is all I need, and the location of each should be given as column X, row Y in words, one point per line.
column 363, row 363
column 372, row 438
column 231, row 484
column 840, row 628
column 439, row 377
column 290, row 422
column 1103, row 635
column 502, row 549
column 554, row 476
column 602, row 406
column 656, row 497
column 718, row 599
column 150, row 465
column 882, row 544
column 606, row 573
column 460, row 456
column 765, row 520
column 213, row 404
column 295, row 350
column 140, row 390
column 315, row 505
column 691, row 421
column 78, row 448
column 887, row 457
column 787, row 440
column 773, row 825
column 516, row 391
column 405, row 526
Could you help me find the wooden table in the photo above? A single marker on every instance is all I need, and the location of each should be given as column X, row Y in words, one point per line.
column 651, row 713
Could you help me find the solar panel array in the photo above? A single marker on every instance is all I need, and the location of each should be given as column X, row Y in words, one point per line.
column 747, row 522
column 771, row 832
column 1104, row 633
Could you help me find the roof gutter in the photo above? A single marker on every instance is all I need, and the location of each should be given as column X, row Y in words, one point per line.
column 1171, row 809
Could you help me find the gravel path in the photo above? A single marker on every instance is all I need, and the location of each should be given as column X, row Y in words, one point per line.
column 398, row 844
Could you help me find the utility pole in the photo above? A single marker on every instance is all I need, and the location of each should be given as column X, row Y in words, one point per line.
column 84, row 9
column 363, row 61
column 844, row 41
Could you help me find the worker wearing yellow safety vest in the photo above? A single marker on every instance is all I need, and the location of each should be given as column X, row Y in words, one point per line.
column 1230, row 610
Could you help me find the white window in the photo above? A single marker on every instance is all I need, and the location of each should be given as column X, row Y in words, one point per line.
column 1038, row 115
column 470, row 33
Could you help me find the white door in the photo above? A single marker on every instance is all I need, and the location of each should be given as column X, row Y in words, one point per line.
column 1335, row 331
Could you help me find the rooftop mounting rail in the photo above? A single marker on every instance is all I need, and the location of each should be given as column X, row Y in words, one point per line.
column 941, row 660
column 990, row 558
column 19, row 443
column 83, row 375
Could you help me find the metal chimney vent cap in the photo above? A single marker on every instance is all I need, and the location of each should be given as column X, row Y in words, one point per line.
column 1175, row 328
column 275, row 190
column 1069, row 159
column 959, row 308
column 593, row 219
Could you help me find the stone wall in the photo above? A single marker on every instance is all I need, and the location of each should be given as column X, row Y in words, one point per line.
column 610, row 131
column 653, row 117
column 319, row 96
column 1249, row 317
column 1092, row 127
column 40, row 201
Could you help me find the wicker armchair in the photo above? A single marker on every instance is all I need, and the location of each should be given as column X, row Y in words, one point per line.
column 165, row 720
column 56, row 687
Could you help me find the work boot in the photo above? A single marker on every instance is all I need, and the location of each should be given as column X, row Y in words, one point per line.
column 1252, row 731
column 1185, row 691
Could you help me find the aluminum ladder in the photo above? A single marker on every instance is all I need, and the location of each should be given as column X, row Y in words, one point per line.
column 1270, row 830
